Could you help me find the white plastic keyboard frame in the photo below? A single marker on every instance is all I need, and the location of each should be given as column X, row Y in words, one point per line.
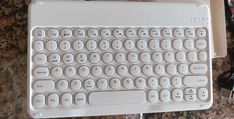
column 111, row 14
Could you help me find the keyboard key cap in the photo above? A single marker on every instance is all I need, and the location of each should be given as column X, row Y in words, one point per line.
column 40, row 59
column 80, row 33
column 51, row 45
column 130, row 33
column 93, row 33
column 41, row 72
column 89, row 84
column 66, row 99
column 81, row 58
column 169, row 56
column 145, row 57
column 78, row 45
column 157, row 56
column 164, row 82
column 52, row 33
column 154, row 44
column 177, row 44
column 107, row 57
column 190, row 98
column 180, row 56
column 104, row 45
column 132, row 57
column 105, row 33
column 183, row 68
column 38, row 46
column 159, row 69
column 141, row 44
column 200, row 44
column 80, row 99
column 201, row 32
column 166, row 32
column 140, row 82
column 39, row 33
column 189, row 44
column 195, row 80
column 117, row 97
column 39, row 100
column 66, row 33
column 118, row 33
column 83, row 71
column 115, row 83
column 165, row 44
column 147, row 69
column 198, row 68
column 109, row 70
column 128, row 83
column 129, row 44
column 94, row 58
column 189, row 32
column 178, row 32
column 176, row 81
column 143, row 33
column 96, row 71
column 120, row 57
column 154, row 33
column 152, row 96
column 68, row 58
column 91, row 45
column 171, row 69
column 53, row 100
column 102, row 83
column 64, row 45
column 122, row 70
column 165, row 95
column 190, row 91
column 203, row 94
column 75, row 84
column 56, row 72
column 116, row 44
column 202, row 56
column 192, row 56
column 177, row 95
column 70, row 71
column 62, row 85
column 135, row 70
column 43, row 85
column 152, row 82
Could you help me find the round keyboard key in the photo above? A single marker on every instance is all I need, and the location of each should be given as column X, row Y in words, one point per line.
column 135, row 70
column 93, row 33
column 70, row 71
column 190, row 91
column 54, row 58
column 64, row 45
column 68, row 58
column 201, row 32
column 143, row 33
column 177, row 95
column 91, row 45
column 145, row 57
column 118, row 33
column 94, row 58
column 165, row 95
column 165, row 44
column 41, row 72
column 120, row 57
column 39, row 59
column 171, row 69
column 66, row 99
column 89, row 84
column 132, row 57
column 80, row 33
column 109, row 70
column 164, row 82
column 152, row 96
column 154, row 44
column 75, row 84
column 115, row 83
column 178, row 32
column 147, row 69
column 62, row 85
column 56, row 72
column 180, row 56
column 202, row 93
column 39, row 33
column 190, row 33
column 39, row 100
column 157, row 56
column 51, row 45
column 183, row 68
column 116, row 44
column 200, row 44
column 38, row 46
column 155, row 33
column 152, row 82
column 107, row 57
column 78, row 45
column 169, row 56
column 127, row 83
column 83, row 71
column 130, row 33
column 80, row 99
column 177, row 44
column 140, row 82
column 81, row 58
column 176, row 81
column 190, row 98
column 129, row 44
column 105, row 33
column 166, row 32
column 141, row 44
column 53, row 100
column 159, row 69
column 96, row 71
column 122, row 70
column 192, row 56
column 52, row 33
column 102, row 83
column 202, row 56
column 66, row 33
column 189, row 44
column 104, row 45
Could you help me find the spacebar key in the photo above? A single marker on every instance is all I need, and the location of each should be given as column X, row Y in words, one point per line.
column 117, row 97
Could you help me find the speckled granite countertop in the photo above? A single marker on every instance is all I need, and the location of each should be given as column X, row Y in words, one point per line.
column 13, row 66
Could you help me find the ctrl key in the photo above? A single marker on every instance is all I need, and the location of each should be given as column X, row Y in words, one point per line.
column 39, row 100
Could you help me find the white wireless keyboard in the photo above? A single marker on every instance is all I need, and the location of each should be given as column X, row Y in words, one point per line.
column 105, row 58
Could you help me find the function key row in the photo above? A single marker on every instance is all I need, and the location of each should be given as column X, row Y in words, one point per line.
column 117, row 45
column 119, row 33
